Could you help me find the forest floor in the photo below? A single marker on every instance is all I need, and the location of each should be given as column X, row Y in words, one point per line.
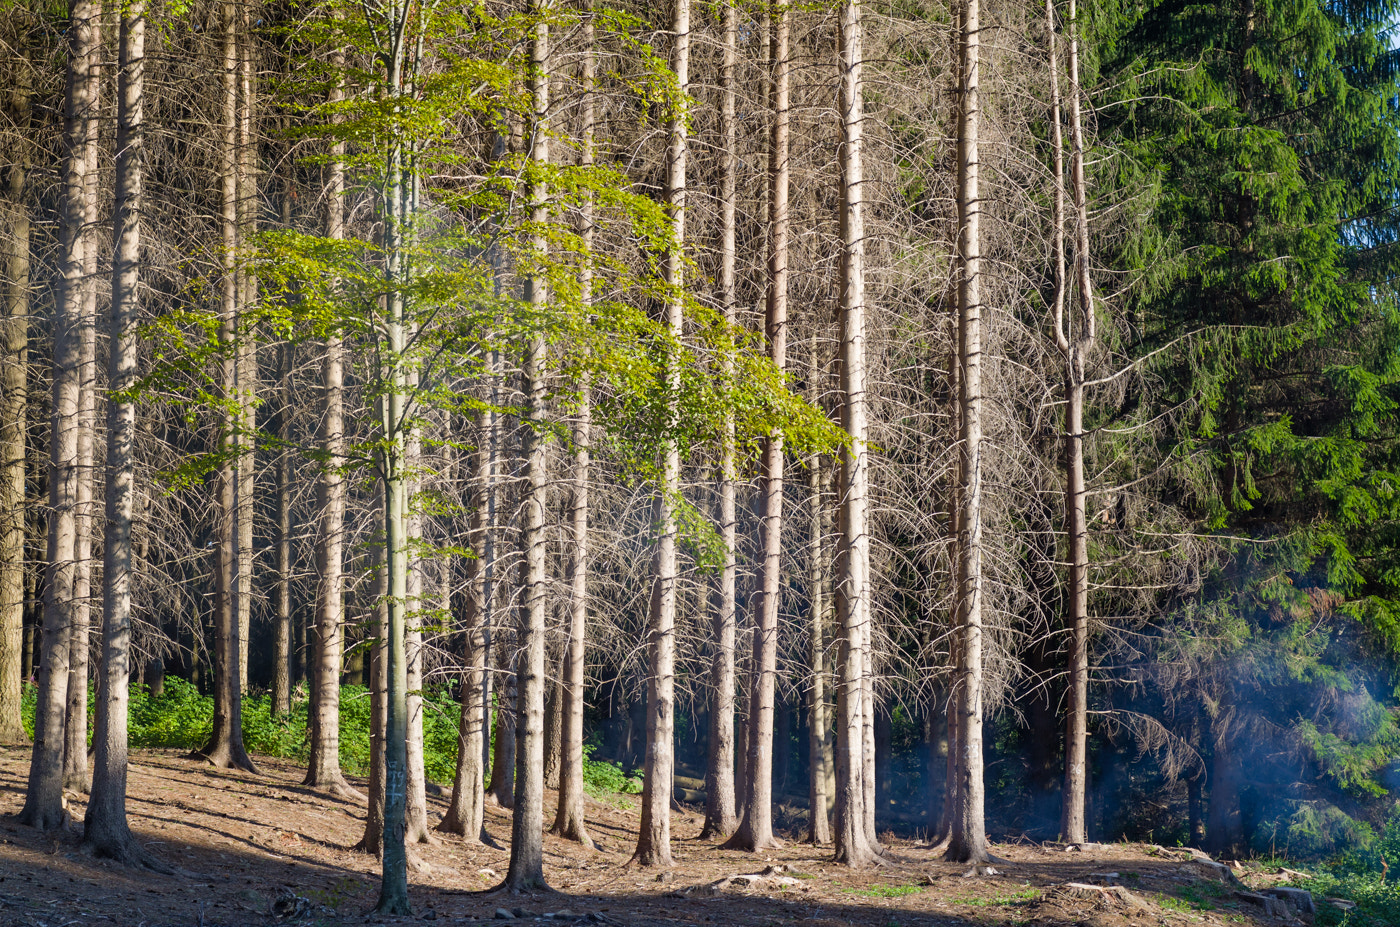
column 256, row 850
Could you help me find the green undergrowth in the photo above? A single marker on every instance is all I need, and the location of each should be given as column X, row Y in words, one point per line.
column 182, row 718
column 604, row 780
column 1370, row 877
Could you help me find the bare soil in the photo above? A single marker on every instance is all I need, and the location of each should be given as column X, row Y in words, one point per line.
column 257, row 850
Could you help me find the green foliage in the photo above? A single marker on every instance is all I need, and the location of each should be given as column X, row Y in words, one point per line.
column 182, row 719
column 602, row 778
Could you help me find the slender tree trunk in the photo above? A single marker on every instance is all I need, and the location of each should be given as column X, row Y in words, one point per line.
column 466, row 810
column 968, row 841
column 755, row 831
column 502, row 789
column 225, row 747
column 1076, row 343
column 282, row 637
column 43, row 803
column 553, row 714
column 853, row 846
column 372, row 842
column 416, row 801
column 658, row 770
column 323, row 770
column 14, row 399
column 720, row 815
column 75, row 751
column 394, row 475
column 105, row 831
column 246, row 193
column 526, row 869
column 569, row 819
column 819, row 827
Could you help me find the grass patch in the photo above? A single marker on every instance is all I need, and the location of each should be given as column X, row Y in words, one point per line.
column 886, row 891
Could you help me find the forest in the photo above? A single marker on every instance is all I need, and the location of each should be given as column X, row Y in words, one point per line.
column 953, row 421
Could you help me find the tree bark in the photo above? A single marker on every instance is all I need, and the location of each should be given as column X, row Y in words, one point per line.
column 818, row 743
column 14, row 399
column 658, row 769
column 225, row 747
column 968, row 838
column 569, row 820
column 755, row 831
column 553, row 715
column 105, row 831
column 282, row 620
column 246, row 193
column 43, row 803
column 372, row 842
column 75, row 751
column 416, row 799
column 853, row 846
column 1076, row 343
column 465, row 815
column 526, row 869
column 721, row 818
column 392, row 460
column 502, row 790
column 323, row 769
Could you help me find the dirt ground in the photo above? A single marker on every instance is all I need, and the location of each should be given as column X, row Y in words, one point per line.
column 255, row 850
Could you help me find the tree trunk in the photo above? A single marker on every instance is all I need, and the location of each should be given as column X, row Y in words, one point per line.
column 246, row 192
column 654, row 834
column 416, row 799
column 372, row 842
column 392, row 460
column 553, row 716
column 1077, row 343
column 818, row 746
column 867, row 724
column 14, row 398
column 720, row 814
column 882, row 753
column 225, row 747
column 526, row 868
column 75, row 751
column 755, row 831
column 466, row 810
column 569, row 819
column 282, row 620
column 105, row 831
column 968, row 841
column 43, row 803
column 502, row 789
column 323, row 769
column 852, row 588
